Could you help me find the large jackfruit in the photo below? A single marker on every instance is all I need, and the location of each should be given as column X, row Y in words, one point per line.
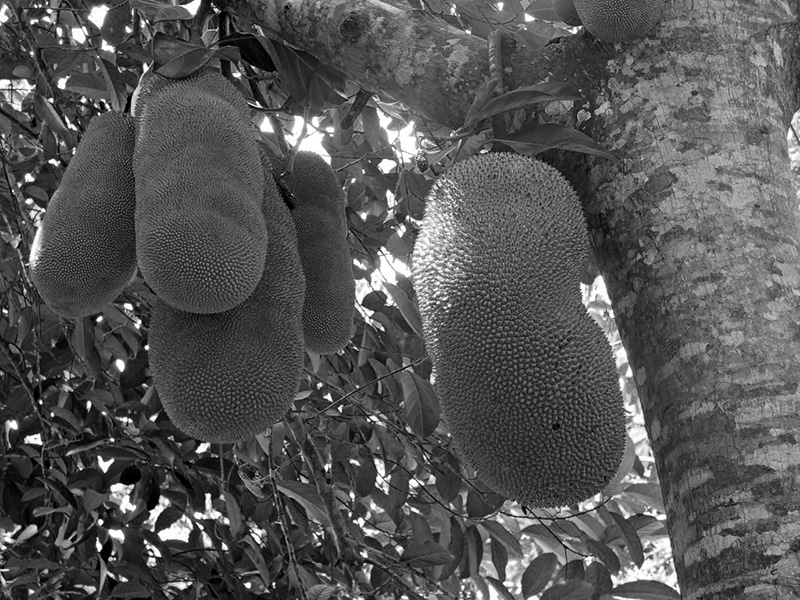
column 200, row 235
column 226, row 376
column 527, row 380
column 84, row 252
column 619, row 20
column 322, row 239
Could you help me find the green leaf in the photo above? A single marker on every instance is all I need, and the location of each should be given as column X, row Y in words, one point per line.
column 571, row 590
column 406, row 307
column 90, row 85
column 501, row 589
column 524, row 96
column 503, row 535
column 551, row 135
column 306, row 495
column 426, row 554
column 483, row 94
column 648, row 493
column 420, row 404
column 645, row 590
column 234, row 514
column 605, row 554
column 538, row 573
column 176, row 59
column 632, row 540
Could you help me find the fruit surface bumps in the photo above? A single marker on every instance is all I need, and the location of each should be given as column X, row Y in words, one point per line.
column 84, row 251
column 526, row 378
column 200, row 234
column 227, row 376
column 319, row 218
column 619, row 20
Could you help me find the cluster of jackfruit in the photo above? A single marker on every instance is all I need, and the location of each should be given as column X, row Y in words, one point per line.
column 182, row 190
column 616, row 20
column 526, row 378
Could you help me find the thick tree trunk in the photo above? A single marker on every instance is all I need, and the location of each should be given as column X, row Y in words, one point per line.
column 696, row 235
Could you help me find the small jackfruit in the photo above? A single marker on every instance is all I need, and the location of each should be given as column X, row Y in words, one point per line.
column 201, row 239
column 527, row 380
column 565, row 9
column 322, row 239
column 84, row 252
column 619, row 20
column 223, row 377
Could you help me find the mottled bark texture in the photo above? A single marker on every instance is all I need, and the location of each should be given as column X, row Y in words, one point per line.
column 696, row 233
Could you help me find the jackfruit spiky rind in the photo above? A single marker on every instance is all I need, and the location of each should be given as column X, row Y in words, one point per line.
column 227, row 376
column 565, row 9
column 84, row 251
column 200, row 233
column 321, row 225
column 527, row 380
column 619, row 20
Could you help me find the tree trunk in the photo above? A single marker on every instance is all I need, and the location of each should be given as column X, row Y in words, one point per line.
column 696, row 234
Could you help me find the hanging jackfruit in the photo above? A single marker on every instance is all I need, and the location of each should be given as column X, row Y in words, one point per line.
column 527, row 380
column 322, row 239
column 223, row 377
column 200, row 235
column 84, row 251
column 619, row 20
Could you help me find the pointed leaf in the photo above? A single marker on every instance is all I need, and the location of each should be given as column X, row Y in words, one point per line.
column 420, row 404
column 551, row 135
column 406, row 307
column 426, row 554
column 605, row 554
column 645, row 590
column 176, row 59
column 503, row 535
column 538, row 574
column 525, row 96
column 632, row 540
column 571, row 590
column 306, row 495
column 501, row 589
column 482, row 95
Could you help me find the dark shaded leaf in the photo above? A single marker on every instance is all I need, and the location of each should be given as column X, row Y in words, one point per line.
column 421, row 406
column 632, row 540
column 571, row 590
column 538, row 573
column 501, row 589
column 525, row 96
column 645, row 590
column 551, row 135
column 406, row 307
column 426, row 554
column 306, row 495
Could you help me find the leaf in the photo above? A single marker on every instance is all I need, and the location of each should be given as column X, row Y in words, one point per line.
column 645, row 590
column 306, row 495
column 648, row 493
column 538, row 573
column 90, row 85
column 605, row 554
column 571, row 590
column 525, row 96
column 482, row 95
column 176, row 59
column 481, row 503
column 501, row 589
column 632, row 540
column 421, row 406
column 426, row 554
column 234, row 514
column 406, row 307
column 322, row 591
column 551, row 135
column 503, row 535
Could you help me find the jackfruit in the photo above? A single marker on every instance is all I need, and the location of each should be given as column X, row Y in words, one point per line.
column 84, row 251
column 619, row 20
column 322, row 239
column 201, row 239
column 565, row 9
column 223, row 377
column 526, row 378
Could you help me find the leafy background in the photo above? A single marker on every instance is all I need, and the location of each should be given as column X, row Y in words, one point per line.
column 358, row 492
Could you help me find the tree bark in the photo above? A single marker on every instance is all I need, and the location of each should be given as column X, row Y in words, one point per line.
column 696, row 234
